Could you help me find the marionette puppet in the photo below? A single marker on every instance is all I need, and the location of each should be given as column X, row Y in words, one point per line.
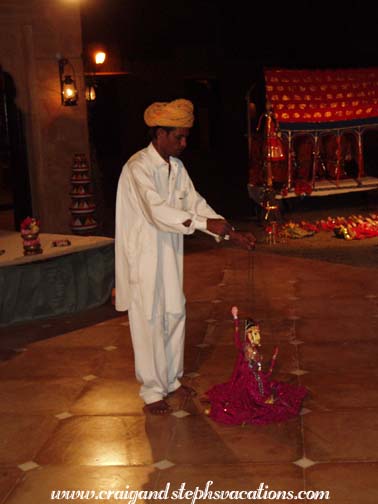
column 274, row 149
column 251, row 396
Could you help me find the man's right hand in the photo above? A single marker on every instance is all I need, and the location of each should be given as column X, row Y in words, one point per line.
column 219, row 227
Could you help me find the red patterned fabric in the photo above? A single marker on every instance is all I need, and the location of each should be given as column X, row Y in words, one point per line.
column 316, row 96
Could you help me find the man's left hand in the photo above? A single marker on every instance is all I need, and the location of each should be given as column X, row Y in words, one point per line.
column 244, row 240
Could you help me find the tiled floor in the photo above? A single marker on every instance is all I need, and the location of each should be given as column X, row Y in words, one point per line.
column 71, row 418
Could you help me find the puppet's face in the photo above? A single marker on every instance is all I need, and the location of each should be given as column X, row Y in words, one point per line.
column 253, row 335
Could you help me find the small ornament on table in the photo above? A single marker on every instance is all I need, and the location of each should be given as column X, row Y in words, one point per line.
column 30, row 236
column 61, row 243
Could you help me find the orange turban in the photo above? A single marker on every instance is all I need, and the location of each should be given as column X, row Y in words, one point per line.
column 175, row 114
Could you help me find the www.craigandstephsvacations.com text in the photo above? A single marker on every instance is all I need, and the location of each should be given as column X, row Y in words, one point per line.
column 190, row 495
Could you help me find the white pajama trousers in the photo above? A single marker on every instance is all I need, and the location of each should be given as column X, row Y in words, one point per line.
column 158, row 349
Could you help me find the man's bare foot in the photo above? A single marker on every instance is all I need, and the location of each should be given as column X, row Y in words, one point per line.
column 158, row 408
column 185, row 391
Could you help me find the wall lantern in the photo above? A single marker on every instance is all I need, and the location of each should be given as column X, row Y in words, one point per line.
column 68, row 87
column 90, row 91
column 100, row 57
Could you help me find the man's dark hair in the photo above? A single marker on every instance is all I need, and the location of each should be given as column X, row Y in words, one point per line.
column 153, row 131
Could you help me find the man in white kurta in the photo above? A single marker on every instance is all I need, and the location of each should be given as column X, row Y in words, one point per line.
column 156, row 205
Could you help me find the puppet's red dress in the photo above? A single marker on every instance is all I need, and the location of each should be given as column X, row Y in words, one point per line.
column 250, row 396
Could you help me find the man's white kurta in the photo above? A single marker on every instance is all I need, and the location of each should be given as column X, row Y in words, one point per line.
column 150, row 210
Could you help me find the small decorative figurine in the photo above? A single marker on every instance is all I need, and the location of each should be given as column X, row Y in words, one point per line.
column 251, row 396
column 30, row 236
column 274, row 149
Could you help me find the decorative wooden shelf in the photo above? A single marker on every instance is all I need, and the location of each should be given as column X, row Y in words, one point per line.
column 81, row 179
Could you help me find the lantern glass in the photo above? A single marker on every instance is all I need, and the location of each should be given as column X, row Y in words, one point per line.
column 69, row 91
column 90, row 93
column 100, row 57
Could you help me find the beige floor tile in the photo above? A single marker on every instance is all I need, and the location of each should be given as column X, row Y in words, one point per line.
column 23, row 436
column 195, row 331
column 339, row 357
column 38, row 484
column 360, row 281
column 235, row 477
column 236, row 294
column 93, row 336
column 54, row 362
column 108, row 440
column 235, row 275
column 262, row 266
column 344, row 390
column 343, row 329
column 109, row 397
column 198, row 310
column 215, row 443
column 352, row 483
column 206, row 293
column 9, row 479
column 118, row 364
column 347, row 307
column 342, row 435
column 39, row 396
column 203, row 287
column 335, row 322
column 313, row 270
column 201, row 359
column 193, row 356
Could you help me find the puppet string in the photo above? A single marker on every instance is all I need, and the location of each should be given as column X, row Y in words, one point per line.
column 251, row 280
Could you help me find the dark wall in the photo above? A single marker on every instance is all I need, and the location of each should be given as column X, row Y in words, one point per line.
column 212, row 53
column 216, row 157
column 13, row 153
